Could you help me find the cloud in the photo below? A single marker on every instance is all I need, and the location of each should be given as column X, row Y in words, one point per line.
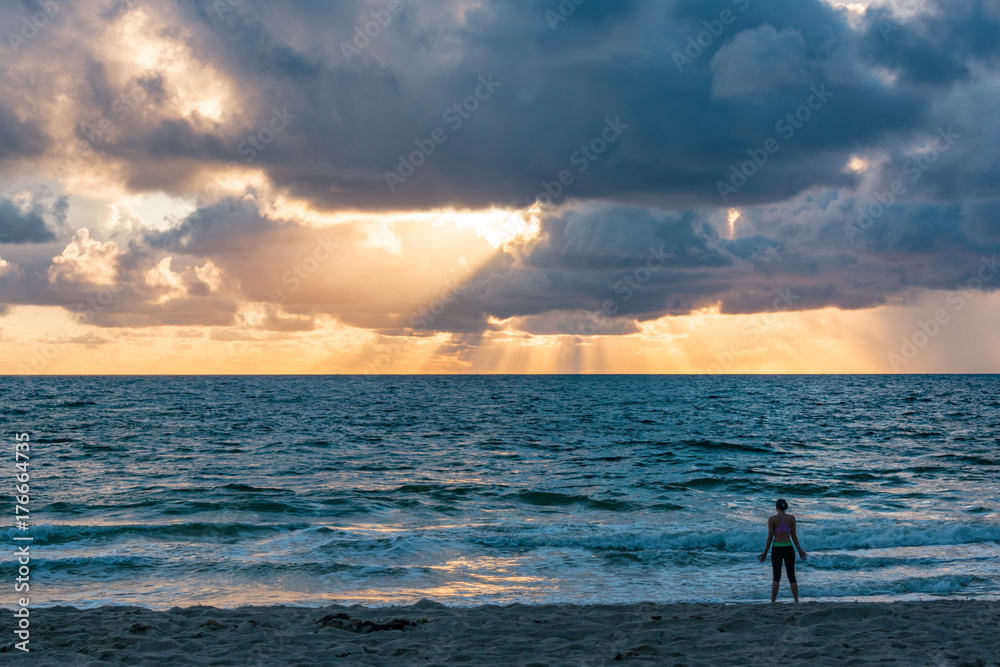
column 761, row 60
column 941, row 46
column 210, row 276
column 24, row 221
column 19, row 138
column 161, row 277
column 558, row 322
column 591, row 269
column 86, row 260
column 350, row 122
column 637, row 232
column 613, row 265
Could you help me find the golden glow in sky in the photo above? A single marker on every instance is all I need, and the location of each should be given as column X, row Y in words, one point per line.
column 46, row 340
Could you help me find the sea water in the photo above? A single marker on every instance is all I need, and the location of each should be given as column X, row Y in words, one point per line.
column 164, row 491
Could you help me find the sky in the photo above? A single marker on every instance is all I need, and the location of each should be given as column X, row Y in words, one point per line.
column 481, row 186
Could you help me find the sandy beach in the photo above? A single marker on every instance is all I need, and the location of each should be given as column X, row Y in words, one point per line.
column 952, row 632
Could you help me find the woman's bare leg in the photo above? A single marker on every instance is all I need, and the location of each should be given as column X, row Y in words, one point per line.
column 774, row 590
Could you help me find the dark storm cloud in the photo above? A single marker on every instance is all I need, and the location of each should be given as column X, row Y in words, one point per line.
column 760, row 60
column 353, row 120
column 607, row 262
column 19, row 138
column 626, row 263
column 982, row 221
column 27, row 224
column 231, row 227
column 934, row 48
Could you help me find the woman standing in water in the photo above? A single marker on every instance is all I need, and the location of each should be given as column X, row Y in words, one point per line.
column 781, row 528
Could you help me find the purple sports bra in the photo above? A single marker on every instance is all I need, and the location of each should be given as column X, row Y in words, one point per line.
column 785, row 526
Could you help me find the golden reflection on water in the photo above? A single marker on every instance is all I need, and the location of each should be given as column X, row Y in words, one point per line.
column 486, row 577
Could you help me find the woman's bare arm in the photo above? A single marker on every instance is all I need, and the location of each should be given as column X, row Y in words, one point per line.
column 795, row 539
column 770, row 536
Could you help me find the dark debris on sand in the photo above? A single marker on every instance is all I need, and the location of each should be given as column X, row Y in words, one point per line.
column 342, row 621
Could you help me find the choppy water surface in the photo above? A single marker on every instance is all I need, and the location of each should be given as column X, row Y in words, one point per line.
column 164, row 491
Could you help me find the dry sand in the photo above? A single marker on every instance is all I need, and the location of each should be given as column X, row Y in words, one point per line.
column 951, row 632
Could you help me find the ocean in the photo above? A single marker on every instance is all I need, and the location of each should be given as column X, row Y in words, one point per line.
column 383, row 490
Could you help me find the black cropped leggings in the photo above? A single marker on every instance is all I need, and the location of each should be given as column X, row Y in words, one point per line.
column 786, row 554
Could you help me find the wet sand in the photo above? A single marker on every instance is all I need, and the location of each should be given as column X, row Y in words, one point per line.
column 949, row 632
